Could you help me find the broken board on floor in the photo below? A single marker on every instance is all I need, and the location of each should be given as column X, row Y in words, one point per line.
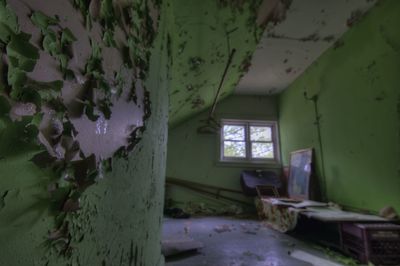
column 171, row 247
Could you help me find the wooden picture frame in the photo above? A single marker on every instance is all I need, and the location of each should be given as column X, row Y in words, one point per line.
column 300, row 171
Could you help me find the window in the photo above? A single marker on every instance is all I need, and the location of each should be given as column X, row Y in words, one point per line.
column 249, row 141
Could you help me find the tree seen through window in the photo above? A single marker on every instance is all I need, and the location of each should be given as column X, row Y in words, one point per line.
column 248, row 141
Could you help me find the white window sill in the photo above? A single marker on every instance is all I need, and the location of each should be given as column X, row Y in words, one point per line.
column 249, row 164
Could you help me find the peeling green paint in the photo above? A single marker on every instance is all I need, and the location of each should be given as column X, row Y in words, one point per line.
column 8, row 22
column 43, row 21
column 56, row 185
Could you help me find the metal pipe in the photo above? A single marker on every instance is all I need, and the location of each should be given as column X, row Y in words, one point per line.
column 222, row 82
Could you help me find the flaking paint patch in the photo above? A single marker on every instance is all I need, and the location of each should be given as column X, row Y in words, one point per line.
column 96, row 227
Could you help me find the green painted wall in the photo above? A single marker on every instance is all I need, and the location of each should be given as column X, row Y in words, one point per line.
column 119, row 222
column 202, row 35
column 194, row 157
column 358, row 88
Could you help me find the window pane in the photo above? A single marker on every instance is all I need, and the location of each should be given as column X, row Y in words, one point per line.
column 233, row 132
column 262, row 150
column 234, row 149
column 260, row 133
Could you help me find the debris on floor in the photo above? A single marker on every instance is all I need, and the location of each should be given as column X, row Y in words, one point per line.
column 176, row 213
column 230, row 241
column 335, row 256
column 171, row 247
column 288, row 243
column 223, row 228
column 248, row 229
column 389, row 212
column 186, row 228
column 251, row 254
column 196, row 209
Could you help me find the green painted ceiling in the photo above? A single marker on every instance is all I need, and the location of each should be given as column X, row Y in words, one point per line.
column 201, row 36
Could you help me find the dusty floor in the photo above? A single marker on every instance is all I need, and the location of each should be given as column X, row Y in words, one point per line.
column 234, row 242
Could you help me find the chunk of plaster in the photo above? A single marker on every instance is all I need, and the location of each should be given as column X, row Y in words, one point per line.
column 19, row 109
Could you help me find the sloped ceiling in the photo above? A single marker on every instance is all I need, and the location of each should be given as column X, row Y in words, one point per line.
column 202, row 34
column 201, row 37
column 288, row 48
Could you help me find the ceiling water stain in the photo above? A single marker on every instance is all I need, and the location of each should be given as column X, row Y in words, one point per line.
column 312, row 37
column 329, row 38
column 355, row 17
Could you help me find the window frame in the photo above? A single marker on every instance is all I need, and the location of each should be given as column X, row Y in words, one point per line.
column 247, row 124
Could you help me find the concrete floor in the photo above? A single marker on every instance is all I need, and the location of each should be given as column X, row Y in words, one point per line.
column 238, row 242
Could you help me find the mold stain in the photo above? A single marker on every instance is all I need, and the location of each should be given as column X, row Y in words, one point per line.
column 197, row 103
column 181, row 47
column 2, row 199
column 194, row 63
column 355, row 17
column 246, row 64
column 329, row 38
column 131, row 256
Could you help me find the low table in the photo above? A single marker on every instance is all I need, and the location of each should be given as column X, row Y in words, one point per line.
column 282, row 214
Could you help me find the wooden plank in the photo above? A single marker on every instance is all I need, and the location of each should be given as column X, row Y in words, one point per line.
column 173, row 180
column 203, row 190
column 335, row 215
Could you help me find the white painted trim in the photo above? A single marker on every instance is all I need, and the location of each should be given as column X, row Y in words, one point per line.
column 248, row 160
